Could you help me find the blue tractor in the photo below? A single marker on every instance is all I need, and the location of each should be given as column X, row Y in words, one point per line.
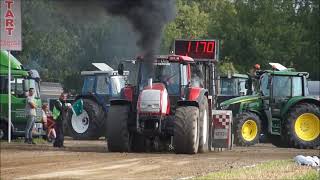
column 99, row 87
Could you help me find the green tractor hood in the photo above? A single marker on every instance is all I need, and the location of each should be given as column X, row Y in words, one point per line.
column 15, row 64
column 239, row 99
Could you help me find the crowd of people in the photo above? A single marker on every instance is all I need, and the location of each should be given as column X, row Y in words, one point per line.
column 52, row 121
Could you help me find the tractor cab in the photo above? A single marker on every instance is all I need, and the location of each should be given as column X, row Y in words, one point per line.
column 172, row 71
column 171, row 75
column 231, row 86
column 277, row 88
column 102, row 83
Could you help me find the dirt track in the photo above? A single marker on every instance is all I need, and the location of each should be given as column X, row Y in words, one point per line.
column 89, row 160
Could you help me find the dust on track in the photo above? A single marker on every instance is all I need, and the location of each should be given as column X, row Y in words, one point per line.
column 90, row 160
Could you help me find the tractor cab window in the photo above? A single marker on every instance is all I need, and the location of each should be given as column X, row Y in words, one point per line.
column 88, row 84
column 168, row 73
column 297, row 86
column 102, row 86
column 17, row 87
column 116, row 85
column 228, row 87
column 264, row 85
column 184, row 75
column 242, row 87
column 281, row 86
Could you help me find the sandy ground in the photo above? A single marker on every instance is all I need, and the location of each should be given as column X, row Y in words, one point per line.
column 90, row 160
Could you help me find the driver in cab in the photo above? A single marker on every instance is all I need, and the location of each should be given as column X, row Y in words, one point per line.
column 172, row 83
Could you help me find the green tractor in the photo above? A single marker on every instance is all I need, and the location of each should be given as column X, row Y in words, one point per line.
column 282, row 108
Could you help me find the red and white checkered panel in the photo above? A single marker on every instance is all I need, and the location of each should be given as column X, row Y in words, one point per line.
column 222, row 120
column 222, row 127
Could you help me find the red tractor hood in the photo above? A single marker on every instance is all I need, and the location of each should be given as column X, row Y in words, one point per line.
column 154, row 100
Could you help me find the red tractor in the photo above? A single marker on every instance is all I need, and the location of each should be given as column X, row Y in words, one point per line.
column 172, row 107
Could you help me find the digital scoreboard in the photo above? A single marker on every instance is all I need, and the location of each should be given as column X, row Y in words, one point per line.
column 197, row 49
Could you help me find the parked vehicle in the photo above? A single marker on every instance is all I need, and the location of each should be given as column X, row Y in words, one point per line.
column 231, row 87
column 99, row 87
column 283, row 109
column 21, row 80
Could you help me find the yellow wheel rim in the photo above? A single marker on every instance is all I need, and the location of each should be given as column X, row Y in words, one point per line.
column 307, row 127
column 249, row 130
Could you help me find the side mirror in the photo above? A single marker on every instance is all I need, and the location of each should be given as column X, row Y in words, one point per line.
column 120, row 69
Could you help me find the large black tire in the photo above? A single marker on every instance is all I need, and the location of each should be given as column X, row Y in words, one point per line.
column 138, row 142
column 204, row 123
column 95, row 122
column 312, row 113
column 247, row 129
column 186, row 130
column 3, row 130
column 118, row 135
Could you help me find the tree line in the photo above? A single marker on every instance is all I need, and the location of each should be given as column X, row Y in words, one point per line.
column 60, row 42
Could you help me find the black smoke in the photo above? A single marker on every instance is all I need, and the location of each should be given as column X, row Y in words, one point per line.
column 148, row 18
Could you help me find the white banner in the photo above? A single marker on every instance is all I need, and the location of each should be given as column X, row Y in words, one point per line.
column 10, row 25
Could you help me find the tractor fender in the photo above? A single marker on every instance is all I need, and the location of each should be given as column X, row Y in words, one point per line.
column 297, row 100
column 194, row 96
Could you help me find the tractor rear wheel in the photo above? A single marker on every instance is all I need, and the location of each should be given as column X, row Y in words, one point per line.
column 247, row 129
column 204, row 123
column 86, row 126
column 118, row 136
column 303, row 126
column 186, row 130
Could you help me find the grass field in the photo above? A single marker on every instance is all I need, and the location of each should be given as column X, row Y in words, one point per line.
column 278, row 169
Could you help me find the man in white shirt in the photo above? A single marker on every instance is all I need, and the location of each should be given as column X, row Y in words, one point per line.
column 31, row 116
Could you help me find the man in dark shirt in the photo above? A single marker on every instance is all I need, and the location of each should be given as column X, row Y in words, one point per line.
column 62, row 107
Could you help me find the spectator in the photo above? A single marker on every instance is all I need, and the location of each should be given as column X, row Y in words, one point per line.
column 31, row 116
column 48, row 123
column 59, row 115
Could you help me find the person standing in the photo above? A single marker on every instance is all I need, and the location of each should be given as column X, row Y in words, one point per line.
column 31, row 116
column 59, row 115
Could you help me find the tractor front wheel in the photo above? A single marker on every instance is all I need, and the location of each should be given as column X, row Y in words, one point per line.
column 303, row 126
column 247, row 129
column 186, row 130
column 87, row 125
column 118, row 136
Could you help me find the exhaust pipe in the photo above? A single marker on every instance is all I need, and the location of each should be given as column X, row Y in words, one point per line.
column 150, row 82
